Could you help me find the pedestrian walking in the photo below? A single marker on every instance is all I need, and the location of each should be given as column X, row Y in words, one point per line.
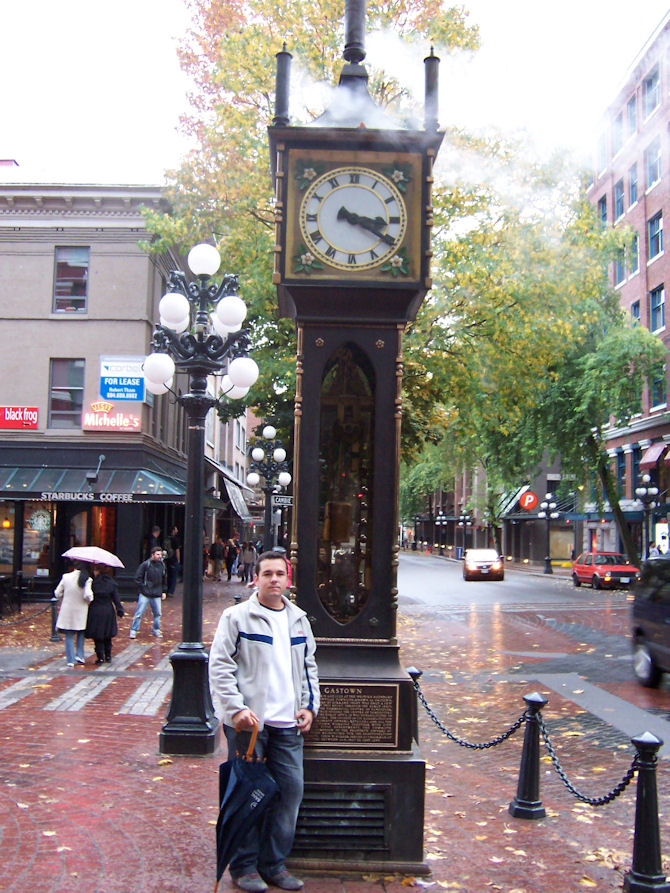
column 172, row 550
column 101, row 625
column 75, row 590
column 277, row 688
column 231, row 557
column 151, row 578
column 248, row 558
column 217, row 555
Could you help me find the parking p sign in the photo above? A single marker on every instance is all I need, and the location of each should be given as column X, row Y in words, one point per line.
column 528, row 500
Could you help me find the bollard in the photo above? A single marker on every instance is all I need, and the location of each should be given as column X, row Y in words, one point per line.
column 646, row 872
column 55, row 637
column 527, row 803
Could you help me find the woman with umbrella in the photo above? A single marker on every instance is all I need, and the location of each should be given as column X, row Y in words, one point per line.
column 75, row 590
column 101, row 625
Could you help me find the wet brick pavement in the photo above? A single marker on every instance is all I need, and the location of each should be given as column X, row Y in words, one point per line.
column 88, row 804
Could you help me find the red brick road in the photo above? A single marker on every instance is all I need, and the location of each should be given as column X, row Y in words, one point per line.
column 88, row 804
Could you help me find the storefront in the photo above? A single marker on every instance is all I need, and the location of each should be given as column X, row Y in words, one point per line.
column 47, row 508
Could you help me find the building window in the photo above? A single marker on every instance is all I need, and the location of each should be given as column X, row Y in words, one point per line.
column 632, row 184
column 657, row 392
column 635, row 311
column 602, row 210
column 621, row 472
column 652, row 162
column 631, row 114
column 620, row 266
column 657, row 308
column 617, row 133
column 66, row 393
column 602, row 152
column 655, row 235
column 634, row 254
column 618, row 199
column 70, row 279
column 652, row 91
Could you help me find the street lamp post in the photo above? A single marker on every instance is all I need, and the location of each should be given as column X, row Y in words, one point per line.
column 268, row 461
column 647, row 496
column 440, row 521
column 199, row 334
column 548, row 511
column 463, row 520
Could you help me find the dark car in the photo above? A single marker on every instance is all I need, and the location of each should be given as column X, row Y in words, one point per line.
column 483, row 564
column 651, row 622
column 603, row 570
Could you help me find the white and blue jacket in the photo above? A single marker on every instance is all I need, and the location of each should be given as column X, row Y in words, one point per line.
column 239, row 661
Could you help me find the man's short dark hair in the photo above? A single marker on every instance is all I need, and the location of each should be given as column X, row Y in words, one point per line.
column 267, row 555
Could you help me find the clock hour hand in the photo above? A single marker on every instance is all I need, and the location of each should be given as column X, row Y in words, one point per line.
column 372, row 225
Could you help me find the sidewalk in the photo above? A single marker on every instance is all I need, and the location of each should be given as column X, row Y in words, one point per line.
column 88, row 804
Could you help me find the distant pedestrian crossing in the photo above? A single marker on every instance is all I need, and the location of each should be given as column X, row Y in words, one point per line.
column 147, row 699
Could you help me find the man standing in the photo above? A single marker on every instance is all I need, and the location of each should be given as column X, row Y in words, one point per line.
column 172, row 559
column 262, row 671
column 151, row 577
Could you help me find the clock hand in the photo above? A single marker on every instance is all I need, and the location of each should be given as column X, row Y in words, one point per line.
column 368, row 223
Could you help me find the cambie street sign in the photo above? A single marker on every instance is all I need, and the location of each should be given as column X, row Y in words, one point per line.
column 280, row 501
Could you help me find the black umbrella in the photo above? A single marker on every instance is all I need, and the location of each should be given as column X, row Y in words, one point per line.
column 246, row 789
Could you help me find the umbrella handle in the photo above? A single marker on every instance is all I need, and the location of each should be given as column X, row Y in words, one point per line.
column 250, row 750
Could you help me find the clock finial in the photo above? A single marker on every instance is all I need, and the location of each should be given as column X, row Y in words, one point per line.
column 432, row 65
column 281, row 117
column 354, row 30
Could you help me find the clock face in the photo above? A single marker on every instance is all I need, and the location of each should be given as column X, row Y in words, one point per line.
column 353, row 218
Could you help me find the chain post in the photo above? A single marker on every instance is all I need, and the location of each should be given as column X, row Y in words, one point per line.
column 415, row 675
column 55, row 637
column 527, row 803
column 646, row 872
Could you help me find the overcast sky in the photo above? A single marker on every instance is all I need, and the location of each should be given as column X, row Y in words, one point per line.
column 93, row 92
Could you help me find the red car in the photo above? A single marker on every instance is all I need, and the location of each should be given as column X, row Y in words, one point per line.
column 601, row 570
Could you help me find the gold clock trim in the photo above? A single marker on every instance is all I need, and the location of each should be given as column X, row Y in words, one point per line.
column 297, row 160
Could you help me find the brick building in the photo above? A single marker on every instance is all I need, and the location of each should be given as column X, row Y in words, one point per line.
column 631, row 187
column 86, row 455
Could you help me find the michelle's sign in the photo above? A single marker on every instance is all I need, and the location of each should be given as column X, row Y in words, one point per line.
column 18, row 417
column 105, row 416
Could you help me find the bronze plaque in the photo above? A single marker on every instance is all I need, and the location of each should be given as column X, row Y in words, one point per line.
column 357, row 715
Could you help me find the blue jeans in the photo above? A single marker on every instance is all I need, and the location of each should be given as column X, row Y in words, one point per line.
column 266, row 846
column 69, row 644
column 142, row 602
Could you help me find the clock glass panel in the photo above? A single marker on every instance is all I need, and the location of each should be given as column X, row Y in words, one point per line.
column 353, row 218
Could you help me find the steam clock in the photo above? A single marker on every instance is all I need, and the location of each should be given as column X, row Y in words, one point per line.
column 353, row 223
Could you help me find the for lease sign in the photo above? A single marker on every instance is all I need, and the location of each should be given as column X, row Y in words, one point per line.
column 18, row 417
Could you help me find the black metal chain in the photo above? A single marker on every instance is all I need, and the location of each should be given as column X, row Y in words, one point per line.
column 24, row 617
column 461, row 741
column 592, row 801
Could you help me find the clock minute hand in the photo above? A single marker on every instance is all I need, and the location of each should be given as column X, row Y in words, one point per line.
column 368, row 223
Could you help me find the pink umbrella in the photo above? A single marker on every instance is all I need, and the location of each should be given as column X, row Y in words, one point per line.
column 94, row 555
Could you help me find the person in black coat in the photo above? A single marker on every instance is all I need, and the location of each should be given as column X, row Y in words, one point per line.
column 101, row 625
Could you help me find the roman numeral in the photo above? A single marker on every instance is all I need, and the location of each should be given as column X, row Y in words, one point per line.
column 334, row 182
column 311, row 218
column 352, row 259
column 390, row 200
column 316, row 236
column 330, row 251
column 373, row 254
column 354, row 178
column 393, row 219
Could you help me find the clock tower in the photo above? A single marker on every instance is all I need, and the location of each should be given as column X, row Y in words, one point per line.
column 352, row 265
